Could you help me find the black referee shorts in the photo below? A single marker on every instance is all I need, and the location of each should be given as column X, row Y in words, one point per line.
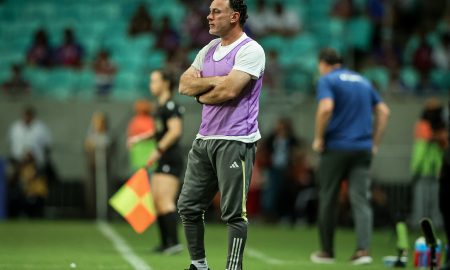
column 171, row 162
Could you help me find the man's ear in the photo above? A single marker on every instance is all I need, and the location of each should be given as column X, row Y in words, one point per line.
column 235, row 17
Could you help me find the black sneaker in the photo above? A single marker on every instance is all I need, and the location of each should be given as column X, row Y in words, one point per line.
column 158, row 249
column 192, row 267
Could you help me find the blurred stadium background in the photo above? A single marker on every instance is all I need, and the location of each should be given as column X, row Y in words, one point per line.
column 381, row 39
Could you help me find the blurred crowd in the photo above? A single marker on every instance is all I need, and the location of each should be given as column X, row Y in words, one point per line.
column 283, row 188
column 408, row 52
column 402, row 46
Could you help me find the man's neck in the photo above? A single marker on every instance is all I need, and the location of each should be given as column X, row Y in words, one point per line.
column 164, row 97
column 232, row 36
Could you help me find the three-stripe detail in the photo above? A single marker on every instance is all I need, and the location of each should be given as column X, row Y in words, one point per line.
column 235, row 254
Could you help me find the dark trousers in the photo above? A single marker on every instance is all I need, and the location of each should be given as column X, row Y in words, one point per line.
column 224, row 166
column 335, row 166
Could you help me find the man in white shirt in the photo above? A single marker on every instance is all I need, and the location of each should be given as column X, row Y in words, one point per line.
column 29, row 135
column 226, row 77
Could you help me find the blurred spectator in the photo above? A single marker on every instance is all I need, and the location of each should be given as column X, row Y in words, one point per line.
column 444, row 24
column 408, row 15
column 422, row 57
column 105, row 72
column 194, row 25
column 97, row 144
column 27, row 189
column 298, row 197
column 140, row 131
column 428, row 149
column 177, row 62
column 168, row 38
column 30, row 142
column 441, row 53
column 70, row 53
column 273, row 72
column 279, row 146
column 257, row 182
column 30, row 136
column 40, row 53
column 257, row 20
column 380, row 205
column 343, row 9
column 388, row 55
column 377, row 11
column 284, row 22
column 141, row 22
column 396, row 85
column 16, row 85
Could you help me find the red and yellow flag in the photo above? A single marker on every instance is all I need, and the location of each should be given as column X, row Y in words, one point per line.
column 134, row 201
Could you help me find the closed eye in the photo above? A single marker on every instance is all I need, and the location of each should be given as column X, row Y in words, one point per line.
column 215, row 11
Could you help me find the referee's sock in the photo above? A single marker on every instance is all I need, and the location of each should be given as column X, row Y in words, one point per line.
column 170, row 222
column 163, row 232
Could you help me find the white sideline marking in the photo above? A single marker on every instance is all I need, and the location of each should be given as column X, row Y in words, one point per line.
column 270, row 260
column 53, row 266
column 123, row 248
column 264, row 257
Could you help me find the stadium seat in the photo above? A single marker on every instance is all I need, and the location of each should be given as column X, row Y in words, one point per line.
column 12, row 57
column 4, row 74
column 359, row 33
column 86, row 80
column 273, row 43
column 296, row 81
column 63, row 79
column 302, row 43
column 126, row 80
column 409, row 77
column 174, row 10
column 156, row 59
column 379, row 75
column 440, row 79
column 39, row 80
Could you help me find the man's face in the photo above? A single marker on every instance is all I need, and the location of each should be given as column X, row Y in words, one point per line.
column 28, row 117
column 220, row 17
column 156, row 83
column 323, row 68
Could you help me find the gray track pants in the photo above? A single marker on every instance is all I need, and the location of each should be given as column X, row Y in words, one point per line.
column 224, row 166
column 334, row 167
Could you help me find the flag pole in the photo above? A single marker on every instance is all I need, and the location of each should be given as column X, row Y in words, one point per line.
column 101, row 182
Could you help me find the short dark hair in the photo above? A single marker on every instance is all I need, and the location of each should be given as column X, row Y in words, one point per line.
column 167, row 76
column 241, row 7
column 330, row 56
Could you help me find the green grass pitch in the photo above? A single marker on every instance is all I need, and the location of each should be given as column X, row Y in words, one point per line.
column 42, row 245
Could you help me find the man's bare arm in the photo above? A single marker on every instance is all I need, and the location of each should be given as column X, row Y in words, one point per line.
column 323, row 116
column 228, row 87
column 380, row 122
column 192, row 84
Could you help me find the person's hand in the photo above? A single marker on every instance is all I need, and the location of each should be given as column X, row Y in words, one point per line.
column 318, row 145
column 154, row 156
column 220, row 79
column 131, row 141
